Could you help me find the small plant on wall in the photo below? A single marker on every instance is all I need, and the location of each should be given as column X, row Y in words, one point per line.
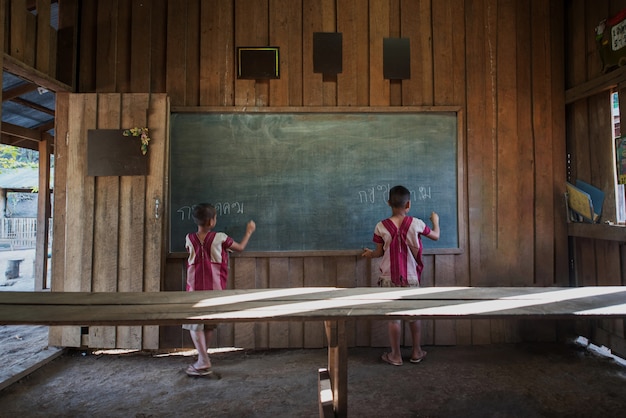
column 143, row 134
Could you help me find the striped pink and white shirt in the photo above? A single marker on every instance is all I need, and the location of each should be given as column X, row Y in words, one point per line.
column 402, row 258
column 207, row 264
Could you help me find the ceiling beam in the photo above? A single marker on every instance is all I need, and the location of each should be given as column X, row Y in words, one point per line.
column 6, row 139
column 28, row 73
column 32, row 105
column 44, row 127
column 26, row 138
column 20, row 132
column 14, row 92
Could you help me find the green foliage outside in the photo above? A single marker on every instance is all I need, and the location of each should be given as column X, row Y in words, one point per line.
column 14, row 157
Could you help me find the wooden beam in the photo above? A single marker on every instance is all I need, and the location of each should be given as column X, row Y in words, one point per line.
column 45, row 127
column 597, row 85
column 597, row 231
column 28, row 73
column 38, row 107
column 337, row 358
column 18, row 142
column 18, row 136
column 43, row 218
column 10, row 94
column 20, row 132
column 325, row 394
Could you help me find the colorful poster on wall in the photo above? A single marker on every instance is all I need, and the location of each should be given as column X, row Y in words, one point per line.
column 620, row 152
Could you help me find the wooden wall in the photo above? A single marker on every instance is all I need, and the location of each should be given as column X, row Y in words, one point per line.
column 28, row 37
column 599, row 255
column 500, row 60
column 108, row 232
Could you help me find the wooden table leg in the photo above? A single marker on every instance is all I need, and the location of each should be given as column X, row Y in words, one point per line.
column 338, row 365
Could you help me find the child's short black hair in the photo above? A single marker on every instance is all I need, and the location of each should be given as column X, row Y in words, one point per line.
column 202, row 212
column 399, row 196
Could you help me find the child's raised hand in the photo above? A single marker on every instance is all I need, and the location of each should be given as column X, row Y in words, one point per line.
column 250, row 227
column 434, row 217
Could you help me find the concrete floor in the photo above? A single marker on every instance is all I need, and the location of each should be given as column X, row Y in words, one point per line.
column 513, row 380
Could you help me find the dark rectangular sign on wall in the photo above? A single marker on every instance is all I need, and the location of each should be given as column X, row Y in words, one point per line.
column 396, row 59
column 327, row 52
column 110, row 153
column 257, row 62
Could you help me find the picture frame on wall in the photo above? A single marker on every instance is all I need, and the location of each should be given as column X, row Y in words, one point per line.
column 258, row 62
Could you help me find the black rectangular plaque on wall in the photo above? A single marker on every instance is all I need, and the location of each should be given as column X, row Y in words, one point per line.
column 327, row 52
column 396, row 58
column 257, row 62
column 110, row 153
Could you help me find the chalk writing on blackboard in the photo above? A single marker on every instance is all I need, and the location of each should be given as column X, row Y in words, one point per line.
column 380, row 193
column 222, row 209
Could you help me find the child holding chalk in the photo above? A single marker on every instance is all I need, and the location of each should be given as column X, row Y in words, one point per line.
column 207, row 269
column 398, row 241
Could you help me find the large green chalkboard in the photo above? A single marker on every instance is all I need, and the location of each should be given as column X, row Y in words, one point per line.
column 312, row 181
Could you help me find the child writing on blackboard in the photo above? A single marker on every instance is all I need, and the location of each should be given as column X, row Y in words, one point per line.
column 207, row 269
column 398, row 241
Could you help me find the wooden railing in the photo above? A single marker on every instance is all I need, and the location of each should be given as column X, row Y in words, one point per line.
column 19, row 233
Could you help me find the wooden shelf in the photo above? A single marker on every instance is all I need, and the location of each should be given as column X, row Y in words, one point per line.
column 597, row 231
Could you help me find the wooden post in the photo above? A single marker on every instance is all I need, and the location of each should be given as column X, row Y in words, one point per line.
column 43, row 215
column 338, row 365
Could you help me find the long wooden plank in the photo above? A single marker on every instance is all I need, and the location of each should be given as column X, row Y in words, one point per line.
column 541, row 129
column 156, row 192
column 279, row 277
column 106, row 223
column 132, row 210
column 106, row 42
column 279, row 35
column 43, row 217
column 585, row 302
column 417, row 25
column 244, row 277
column 251, row 29
column 307, row 294
column 312, row 84
column 18, row 27
column 217, row 54
column 140, row 44
column 332, row 295
column 42, row 59
column 192, row 60
column 378, row 30
column 79, row 205
column 176, row 70
column 353, row 83
column 55, row 334
column 158, row 50
column 123, row 47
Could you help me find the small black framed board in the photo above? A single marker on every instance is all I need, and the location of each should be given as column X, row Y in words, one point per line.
column 110, row 153
column 313, row 180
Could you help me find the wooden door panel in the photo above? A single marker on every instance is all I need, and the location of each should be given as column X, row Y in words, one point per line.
column 112, row 233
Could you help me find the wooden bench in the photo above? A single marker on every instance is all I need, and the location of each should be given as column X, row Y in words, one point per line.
column 334, row 306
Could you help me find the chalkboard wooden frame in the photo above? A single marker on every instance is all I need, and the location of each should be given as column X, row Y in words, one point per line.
column 332, row 112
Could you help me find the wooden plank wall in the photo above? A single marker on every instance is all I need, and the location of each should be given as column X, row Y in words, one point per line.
column 106, row 235
column 28, row 35
column 589, row 130
column 500, row 60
